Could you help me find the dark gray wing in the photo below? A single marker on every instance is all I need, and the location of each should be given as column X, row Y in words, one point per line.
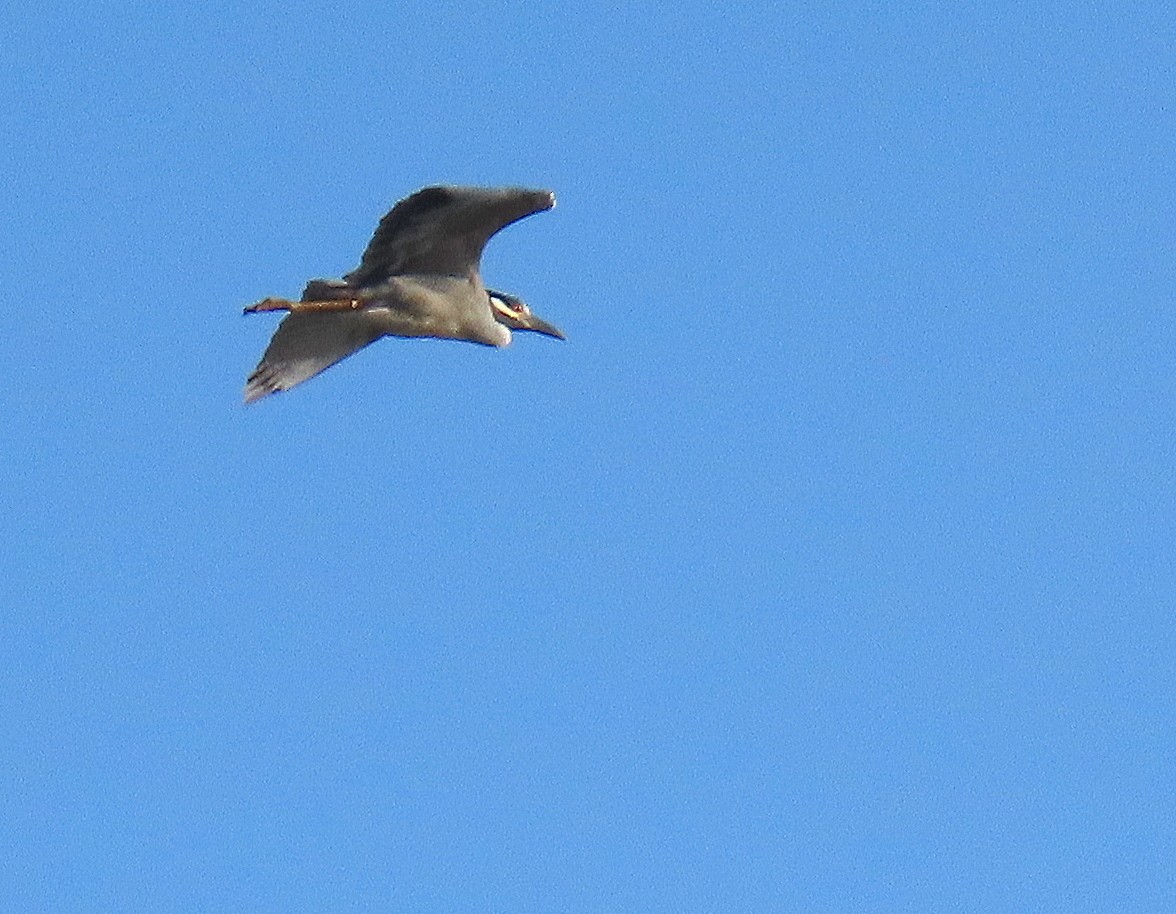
column 442, row 230
column 305, row 344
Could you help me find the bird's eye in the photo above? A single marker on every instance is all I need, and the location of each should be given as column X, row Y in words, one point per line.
column 510, row 307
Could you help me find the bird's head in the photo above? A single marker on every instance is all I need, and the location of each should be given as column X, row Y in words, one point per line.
column 514, row 313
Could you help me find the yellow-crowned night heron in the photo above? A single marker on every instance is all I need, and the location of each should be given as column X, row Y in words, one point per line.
column 419, row 276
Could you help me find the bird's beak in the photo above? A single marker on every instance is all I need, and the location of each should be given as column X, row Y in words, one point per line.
column 531, row 322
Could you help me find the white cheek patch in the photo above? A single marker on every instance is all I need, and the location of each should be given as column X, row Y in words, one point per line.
column 503, row 308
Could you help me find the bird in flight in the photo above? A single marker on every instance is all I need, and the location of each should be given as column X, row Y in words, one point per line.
column 420, row 276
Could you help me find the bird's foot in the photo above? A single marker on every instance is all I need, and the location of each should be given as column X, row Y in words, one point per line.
column 270, row 304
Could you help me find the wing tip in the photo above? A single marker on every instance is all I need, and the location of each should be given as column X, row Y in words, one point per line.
column 261, row 383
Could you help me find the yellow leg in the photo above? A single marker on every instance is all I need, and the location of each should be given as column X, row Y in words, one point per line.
column 283, row 304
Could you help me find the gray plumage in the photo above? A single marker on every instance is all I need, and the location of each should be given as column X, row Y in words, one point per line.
column 420, row 276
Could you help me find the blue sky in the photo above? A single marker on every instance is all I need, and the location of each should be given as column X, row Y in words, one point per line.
column 826, row 567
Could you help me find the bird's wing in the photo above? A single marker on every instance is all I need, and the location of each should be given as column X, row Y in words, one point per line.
column 304, row 345
column 442, row 230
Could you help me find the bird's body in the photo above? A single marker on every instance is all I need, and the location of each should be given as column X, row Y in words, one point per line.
column 419, row 277
column 448, row 307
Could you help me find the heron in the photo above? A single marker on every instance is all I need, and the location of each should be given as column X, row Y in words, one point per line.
column 420, row 276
